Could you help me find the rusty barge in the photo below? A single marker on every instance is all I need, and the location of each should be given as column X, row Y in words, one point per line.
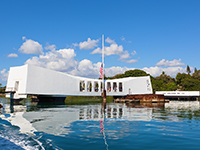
column 142, row 98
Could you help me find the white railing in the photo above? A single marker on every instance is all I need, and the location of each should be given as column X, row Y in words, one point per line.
column 179, row 93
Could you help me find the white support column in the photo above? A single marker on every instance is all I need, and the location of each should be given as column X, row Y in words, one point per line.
column 99, row 86
column 117, row 87
column 93, row 86
column 86, row 86
column 111, row 85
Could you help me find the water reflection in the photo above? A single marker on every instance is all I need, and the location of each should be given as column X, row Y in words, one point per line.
column 115, row 111
column 112, row 125
column 182, row 105
column 52, row 118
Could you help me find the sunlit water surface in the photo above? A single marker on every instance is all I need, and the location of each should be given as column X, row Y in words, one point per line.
column 175, row 125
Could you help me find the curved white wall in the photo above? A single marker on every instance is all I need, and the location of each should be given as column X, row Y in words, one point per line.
column 40, row 81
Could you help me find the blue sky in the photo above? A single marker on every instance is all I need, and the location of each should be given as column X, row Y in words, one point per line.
column 152, row 35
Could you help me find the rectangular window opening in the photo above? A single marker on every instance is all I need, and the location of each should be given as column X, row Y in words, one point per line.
column 120, row 87
column 114, row 86
column 82, row 86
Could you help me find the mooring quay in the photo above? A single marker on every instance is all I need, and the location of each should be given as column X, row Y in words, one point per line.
column 160, row 97
column 179, row 95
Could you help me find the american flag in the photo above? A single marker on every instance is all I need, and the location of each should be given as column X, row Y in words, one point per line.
column 101, row 71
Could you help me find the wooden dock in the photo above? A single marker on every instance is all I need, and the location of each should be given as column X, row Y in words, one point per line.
column 142, row 98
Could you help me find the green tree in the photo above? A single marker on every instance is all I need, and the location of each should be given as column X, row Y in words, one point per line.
column 188, row 69
column 195, row 70
column 196, row 75
column 180, row 77
column 190, row 84
column 135, row 73
column 130, row 73
column 171, row 86
column 2, row 89
column 163, row 83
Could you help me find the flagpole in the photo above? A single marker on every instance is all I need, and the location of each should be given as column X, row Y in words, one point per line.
column 104, row 91
column 103, row 60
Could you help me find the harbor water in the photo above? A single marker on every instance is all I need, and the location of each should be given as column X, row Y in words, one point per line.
column 174, row 125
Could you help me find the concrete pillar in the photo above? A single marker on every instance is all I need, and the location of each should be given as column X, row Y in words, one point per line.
column 117, row 87
column 93, row 86
column 86, row 87
column 99, row 87
column 111, row 85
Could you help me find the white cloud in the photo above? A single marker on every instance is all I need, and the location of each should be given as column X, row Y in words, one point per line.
column 109, row 72
column 132, row 61
column 60, row 60
column 98, row 50
column 110, row 41
column 50, row 47
column 168, row 63
column 64, row 60
column 12, row 55
column 123, row 39
column 124, row 55
column 89, row 44
column 31, row 47
column 113, row 49
column 134, row 53
column 87, row 69
column 23, row 38
column 74, row 45
column 3, row 75
column 36, row 62
column 172, row 71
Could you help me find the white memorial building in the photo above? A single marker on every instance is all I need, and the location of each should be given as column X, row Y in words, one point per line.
column 31, row 80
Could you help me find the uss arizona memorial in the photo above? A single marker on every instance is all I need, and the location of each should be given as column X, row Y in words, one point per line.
column 31, row 80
